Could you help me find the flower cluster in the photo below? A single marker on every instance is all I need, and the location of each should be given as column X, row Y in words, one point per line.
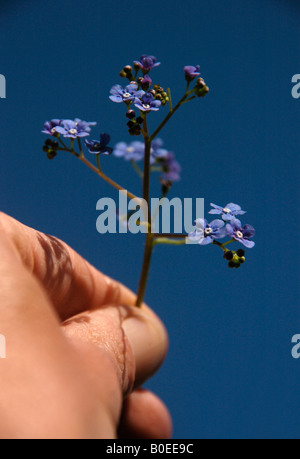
column 142, row 99
column 161, row 159
column 68, row 128
column 209, row 233
column 146, row 98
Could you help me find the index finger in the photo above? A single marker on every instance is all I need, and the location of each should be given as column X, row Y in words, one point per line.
column 72, row 283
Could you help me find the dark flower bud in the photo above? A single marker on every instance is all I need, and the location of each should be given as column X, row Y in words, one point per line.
column 123, row 74
column 139, row 120
column 164, row 94
column 130, row 124
column 51, row 154
column 127, row 69
column 233, row 264
column 242, row 260
column 158, row 96
column 135, row 129
column 228, row 255
column 240, row 252
column 152, row 91
column 146, row 83
column 165, row 186
column 130, row 114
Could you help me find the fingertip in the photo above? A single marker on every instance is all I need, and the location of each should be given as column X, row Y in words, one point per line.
column 149, row 341
column 145, row 416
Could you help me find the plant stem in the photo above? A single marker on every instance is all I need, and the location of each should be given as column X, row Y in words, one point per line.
column 169, row 241
column 172, row 111
column 149, row 236
column 137, row 169
column 145, row 270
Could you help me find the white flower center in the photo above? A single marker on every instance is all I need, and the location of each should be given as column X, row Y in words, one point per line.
column 73, row 131
column 226, row 210
column 129, row 150
column 146, row 106
column 126, row 95
column 239, row 234
column 208, row 231
column 53, row 130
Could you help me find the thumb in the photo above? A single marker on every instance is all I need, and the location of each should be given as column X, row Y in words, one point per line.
column 134, row 338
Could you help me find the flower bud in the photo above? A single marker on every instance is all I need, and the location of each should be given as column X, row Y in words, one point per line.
column 127, row 69
column 139, row 120
column 165, row 186
column 240, row 252
column 146, row 82
column 228, row 255
column 130, row 114
column 51, row 154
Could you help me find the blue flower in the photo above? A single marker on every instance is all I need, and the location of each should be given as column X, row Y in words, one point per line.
column 228, row 212
column 191, row 72
column 146, row 63
column 157, row 152
column 234, row 230
column 205, row 232
column 119, row 94
column 74, row 129
column 171, row 168
column 99, row 147
column 134, row 151
column 50, row 126
column 147, row 103
column 84, row 124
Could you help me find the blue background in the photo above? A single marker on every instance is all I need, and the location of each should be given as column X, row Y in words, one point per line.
column 229, row 372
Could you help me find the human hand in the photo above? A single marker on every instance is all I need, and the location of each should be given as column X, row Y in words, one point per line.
column 77, row 349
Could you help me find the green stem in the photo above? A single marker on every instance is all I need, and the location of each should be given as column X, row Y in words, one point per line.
column 80, row 147
column 145, row 270
column 99, row 172
column 64, row 145
column 166, row 240
column 222, row 246
column 228, row 242
column 170, row 98
column 170, row 236
column 146, row 181
column 169, row 115
column 172, row 111
column 137, row 169
column 149, row 237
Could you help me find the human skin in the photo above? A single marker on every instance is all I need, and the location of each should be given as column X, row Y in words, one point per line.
column 77, row 349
